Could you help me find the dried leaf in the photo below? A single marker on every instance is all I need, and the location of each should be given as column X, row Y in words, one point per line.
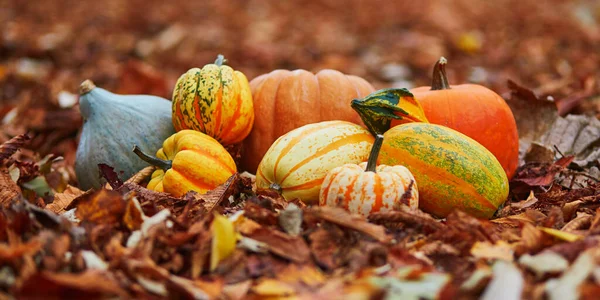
column 215, row 197
column 102, row 207
column 283, row 245
column 342, row 218
column 64, row 199
column 9, row 190
column 223, row 241
column 566, row 287
column 407, row 216
column 507, row 282
column 500, row 250
column 561, row 235
column 544, row 262
column 140, row 176
column 290, row 219
column 134, row 216
column 531, row 200
column 8, row 148
column 89, row 284
column 112, row 178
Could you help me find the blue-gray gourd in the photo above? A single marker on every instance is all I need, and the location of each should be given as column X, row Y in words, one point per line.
column 112, row 125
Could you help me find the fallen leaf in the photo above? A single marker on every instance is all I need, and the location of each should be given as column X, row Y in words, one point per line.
column 500, row 250
column 531, row 200
column 140, row 176
column 86, row 285
column 214, row 197
column 102, row 207
column 566, row 287
column 507, row 282
column 64, row 199
column 544, row 262
column 281, row 244
column 112, row 178
column 342, row 218
column 9, row 190
column 561, row 235
column 8, row 148
column 290, row 219
column 223, row 241
column 412, row 217
column 134, row 216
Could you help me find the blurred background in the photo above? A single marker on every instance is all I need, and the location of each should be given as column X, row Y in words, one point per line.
column 47, row 48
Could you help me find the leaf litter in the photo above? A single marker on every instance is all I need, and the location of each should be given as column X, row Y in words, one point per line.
column 126, row 241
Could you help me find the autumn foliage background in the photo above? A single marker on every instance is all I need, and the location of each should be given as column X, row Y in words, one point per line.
column 550, row 48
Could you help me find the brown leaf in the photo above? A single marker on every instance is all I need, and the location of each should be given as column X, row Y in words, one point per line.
column 64, row 199
column 11, row 252
column 407, row 216
column 8, row 148
column 342, row 218
column 281, row 244
column 110, row 175
column 133, row 217
column 214, row 197
column 9, row 190
column 86, row 285
column 325, row 244
column 140, row 176
column 102, row 207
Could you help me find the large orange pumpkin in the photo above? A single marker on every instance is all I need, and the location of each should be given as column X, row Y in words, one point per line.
column 473, row 110
column 285, row 100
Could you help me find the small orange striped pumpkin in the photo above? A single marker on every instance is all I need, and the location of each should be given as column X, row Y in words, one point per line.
column 365, row 189
column 189, row 161
column 299, row 160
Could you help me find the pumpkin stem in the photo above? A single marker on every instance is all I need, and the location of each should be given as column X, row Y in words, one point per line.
column 440, row 80
column 220, row 60
column 155, row 161
column 86, row 87
column 372, row 162
column 379, row 108
column 276, row 187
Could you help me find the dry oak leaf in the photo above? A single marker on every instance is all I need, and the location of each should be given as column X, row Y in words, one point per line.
column 64, row 199
column 9, row 190
column 8, row 148
column 102, row 207
column 343, row 218
column 282, row 244
column 89, row 284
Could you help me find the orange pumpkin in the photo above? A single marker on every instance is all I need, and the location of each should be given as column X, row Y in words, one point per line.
column 365, row 188
column 473, row 110
column 285, row 100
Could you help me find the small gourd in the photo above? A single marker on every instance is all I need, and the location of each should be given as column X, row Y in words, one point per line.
column 298, row 161
column 189, row 161
column 367, row 187
column 215, row 100
column 112, row 123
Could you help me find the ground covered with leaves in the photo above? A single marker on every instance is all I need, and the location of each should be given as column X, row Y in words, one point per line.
column 127, row 241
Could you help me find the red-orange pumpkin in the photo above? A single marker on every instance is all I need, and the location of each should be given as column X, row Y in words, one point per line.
column 473, row 110
column 285, row 100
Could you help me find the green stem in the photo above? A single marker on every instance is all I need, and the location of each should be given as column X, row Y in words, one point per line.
column 155, row 161
column 372, row 162
column 440, row 80
column 220, row 60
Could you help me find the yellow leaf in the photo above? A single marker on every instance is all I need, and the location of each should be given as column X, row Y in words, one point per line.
column 223, row 241
column 561, row 235
column 272, row 287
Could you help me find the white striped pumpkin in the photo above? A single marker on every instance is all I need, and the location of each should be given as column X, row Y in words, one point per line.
column 297, row 162
column 365, row 189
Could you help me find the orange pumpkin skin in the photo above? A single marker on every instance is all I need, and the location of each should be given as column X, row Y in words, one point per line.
column 476, row 112
column 285, row 100
column 364, row 193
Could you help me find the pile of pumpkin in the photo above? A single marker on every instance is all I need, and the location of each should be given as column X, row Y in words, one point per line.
column 325, row 138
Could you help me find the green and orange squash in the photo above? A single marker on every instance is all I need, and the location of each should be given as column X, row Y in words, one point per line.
column 215, row 100
column 367, row 188
column 297, row 162
column 189, row 161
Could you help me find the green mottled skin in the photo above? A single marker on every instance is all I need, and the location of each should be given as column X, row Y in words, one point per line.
column 451, row 169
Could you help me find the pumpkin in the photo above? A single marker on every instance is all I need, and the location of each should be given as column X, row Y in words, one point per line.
column 189, row 161
column 215, row 100
column 112, row 123
column 296, row 164
column 453, row 170
column 473, row 110
column 367, row 188
column 285, row 100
